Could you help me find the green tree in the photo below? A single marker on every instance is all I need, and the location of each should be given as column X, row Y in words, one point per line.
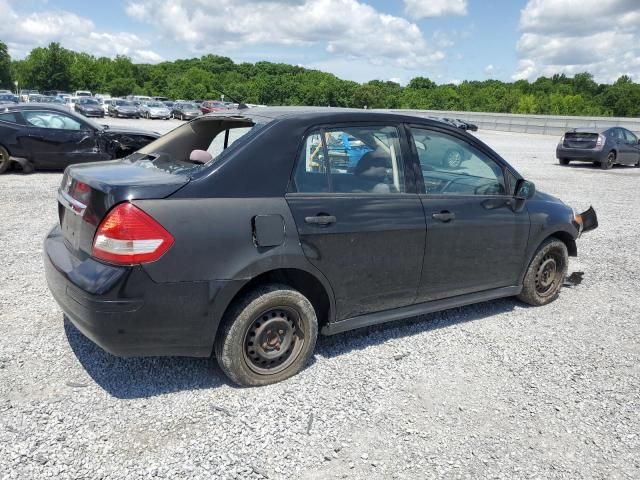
column 5, row 67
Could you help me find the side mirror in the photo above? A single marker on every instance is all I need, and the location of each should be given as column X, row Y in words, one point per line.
column 525, row 190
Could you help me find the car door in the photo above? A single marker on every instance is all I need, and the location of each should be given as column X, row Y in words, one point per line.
column 56, row 139
column 632, row 147
column 476, row 238
column 359, row 218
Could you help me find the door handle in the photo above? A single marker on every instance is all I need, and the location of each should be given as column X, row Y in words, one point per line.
column 321, row 220
column 444, row 216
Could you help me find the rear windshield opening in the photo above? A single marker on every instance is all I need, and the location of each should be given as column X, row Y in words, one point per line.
column 196, row 144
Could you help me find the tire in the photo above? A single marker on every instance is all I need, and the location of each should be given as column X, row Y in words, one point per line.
column 252, row 364
column 182, row 117
column 4, row 160
column 609, row 161
column 545, row 274
column 563, row 161
column 453, row 158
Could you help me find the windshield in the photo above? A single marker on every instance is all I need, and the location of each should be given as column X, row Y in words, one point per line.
column 189, row 106
column 125, row 103
column 88, row 101
column 191, row 147
column 155, row 105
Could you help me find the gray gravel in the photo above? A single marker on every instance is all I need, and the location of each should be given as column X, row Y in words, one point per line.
column 493, row 390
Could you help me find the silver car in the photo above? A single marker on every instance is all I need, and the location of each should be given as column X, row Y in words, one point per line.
column 154, row 110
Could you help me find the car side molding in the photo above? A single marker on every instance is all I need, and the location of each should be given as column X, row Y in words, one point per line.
column 418, row 309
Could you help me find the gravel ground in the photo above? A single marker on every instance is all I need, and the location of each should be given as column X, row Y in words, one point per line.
column 495, row 390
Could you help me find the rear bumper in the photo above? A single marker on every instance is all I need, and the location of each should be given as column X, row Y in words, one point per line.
column 580, row 154
column 124, row 312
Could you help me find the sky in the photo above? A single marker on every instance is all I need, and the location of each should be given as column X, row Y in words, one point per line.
column 446, row 40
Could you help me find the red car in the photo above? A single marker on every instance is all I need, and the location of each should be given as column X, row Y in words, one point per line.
column 212, row 106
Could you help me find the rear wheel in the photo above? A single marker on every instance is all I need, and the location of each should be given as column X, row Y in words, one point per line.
column 267, row 336
column 546, row 273
column 609, row 161
column 4, row 160
column 563, row 161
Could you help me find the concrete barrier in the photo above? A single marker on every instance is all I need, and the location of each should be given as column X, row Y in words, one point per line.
column 540, row 124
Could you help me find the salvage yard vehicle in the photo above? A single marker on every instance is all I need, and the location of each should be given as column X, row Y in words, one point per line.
column 185, row 111
column 89, row 107
column 49, row 137
column 233, row 234
column 153, row 109
column 123, row 108
column 604, row 147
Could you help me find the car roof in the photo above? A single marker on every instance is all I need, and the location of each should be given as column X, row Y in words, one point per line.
column 36, row 106
column 591, row 129
column 329, row 114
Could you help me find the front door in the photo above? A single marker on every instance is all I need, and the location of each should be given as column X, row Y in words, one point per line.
column 476, row 240
column 58, row 139
column 359, row 220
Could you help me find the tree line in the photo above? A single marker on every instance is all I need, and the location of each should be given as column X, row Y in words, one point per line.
column 56, row 68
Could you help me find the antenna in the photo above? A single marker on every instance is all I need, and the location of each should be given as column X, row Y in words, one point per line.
column 241, row 105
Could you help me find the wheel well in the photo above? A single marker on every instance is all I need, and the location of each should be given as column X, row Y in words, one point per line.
column 568, row 240
column 304, row 282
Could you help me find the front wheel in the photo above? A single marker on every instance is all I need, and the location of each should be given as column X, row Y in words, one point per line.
column 268, row 335
column 546, row 273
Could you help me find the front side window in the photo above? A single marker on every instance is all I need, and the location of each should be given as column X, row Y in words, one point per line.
column 48, row 119
column 351, row 160
column 451, row 166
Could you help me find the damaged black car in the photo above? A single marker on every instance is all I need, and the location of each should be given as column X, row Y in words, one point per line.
column 48, row 137
column 245, row 234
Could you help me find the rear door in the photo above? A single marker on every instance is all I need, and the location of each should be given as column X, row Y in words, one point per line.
column 57, row 139
column 475, row 239
column 359, row 218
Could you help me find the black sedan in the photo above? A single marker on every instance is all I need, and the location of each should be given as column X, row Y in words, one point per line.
column 46, row 136
column 185, row 111
column 89, row 107
column 235, row 234
column 604, row 147
column 123, row 108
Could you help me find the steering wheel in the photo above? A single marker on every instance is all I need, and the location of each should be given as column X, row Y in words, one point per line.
column 489, row 189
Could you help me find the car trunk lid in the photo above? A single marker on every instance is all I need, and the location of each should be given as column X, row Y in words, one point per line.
column 89, row 191
column 580, row 140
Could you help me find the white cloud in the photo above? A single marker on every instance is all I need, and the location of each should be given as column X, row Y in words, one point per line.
column 418, row 9
column 347, row 28
column 572, row 36
column 489, row 69
column 24, row 32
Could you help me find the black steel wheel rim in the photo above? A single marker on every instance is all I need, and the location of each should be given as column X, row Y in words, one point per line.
column 610, row 158
column 549, row 275
column 273, row 340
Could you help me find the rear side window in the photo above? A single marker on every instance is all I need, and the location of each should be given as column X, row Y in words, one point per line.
column 358, row 159
column 10, row 117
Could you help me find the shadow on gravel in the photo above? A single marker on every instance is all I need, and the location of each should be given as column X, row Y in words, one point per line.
column 129, row 378
column 336, row 345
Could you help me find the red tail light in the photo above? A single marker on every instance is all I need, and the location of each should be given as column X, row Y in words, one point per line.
column 128, row 236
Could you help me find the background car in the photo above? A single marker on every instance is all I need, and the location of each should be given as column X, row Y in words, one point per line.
column 604, row 147
column 209, row 106
column 123, row 108
column 8, row 98
column 89, row 107
column 185, row 111
column 82, row 93
column 153, row 109
column 43, row 136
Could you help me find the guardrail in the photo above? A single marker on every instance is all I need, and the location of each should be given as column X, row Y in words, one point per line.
column 541, row 124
